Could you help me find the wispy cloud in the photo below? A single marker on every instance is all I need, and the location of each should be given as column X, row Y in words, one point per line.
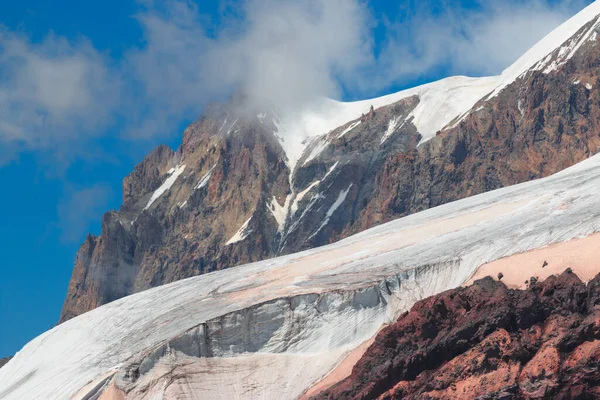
column 469, row 41
column 279, row 51
column 80, row 208
column 60, row 95
column 52, row 94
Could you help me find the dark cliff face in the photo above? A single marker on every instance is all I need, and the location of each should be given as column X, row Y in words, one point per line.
column 332, row 188
column 4, row 361
column 537, row 126
column 487, row 342
column 231, row 172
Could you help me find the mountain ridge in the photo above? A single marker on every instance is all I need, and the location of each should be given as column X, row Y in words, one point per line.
column 233, row 193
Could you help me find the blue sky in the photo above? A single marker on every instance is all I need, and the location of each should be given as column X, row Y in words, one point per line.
column 88, row 88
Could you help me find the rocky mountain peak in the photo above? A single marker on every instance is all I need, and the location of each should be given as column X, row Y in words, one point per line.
column 250, row 182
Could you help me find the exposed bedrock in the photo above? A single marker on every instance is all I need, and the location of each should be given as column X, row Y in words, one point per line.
column 4, row 361
column 486, row 341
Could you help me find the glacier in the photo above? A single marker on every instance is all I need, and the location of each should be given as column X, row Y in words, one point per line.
column 310, row 308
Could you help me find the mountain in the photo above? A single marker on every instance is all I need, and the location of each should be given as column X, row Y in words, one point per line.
column 295, row 325
column 487, row 342
column 251, row 182
column 409, row 196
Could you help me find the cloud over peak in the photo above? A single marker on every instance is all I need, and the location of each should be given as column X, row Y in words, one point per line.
column 277, row 51
column 61, row 94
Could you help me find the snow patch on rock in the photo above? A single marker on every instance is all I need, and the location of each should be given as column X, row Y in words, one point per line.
column 232, row 125
column 204, row 181
column 174, row 172
column 241, row 234
column 338, row 202
column 310, row 187
column 278, row 212
column 392, row 127
column 348, row 129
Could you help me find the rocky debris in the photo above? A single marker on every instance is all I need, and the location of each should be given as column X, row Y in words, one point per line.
column 370, row 115
column 4, row 361
column 532, row 281
column 486, row 341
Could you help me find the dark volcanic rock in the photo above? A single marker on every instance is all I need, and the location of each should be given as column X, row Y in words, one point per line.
column 487, row 342
column 4, row 361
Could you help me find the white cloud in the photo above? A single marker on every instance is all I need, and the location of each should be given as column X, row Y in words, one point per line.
column 288, row 52
column 477, row 42
column 279, row 51
column 51, row 93
column 57, row 95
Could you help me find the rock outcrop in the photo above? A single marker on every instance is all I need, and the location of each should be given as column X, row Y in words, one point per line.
column 232, row 195
column 181, row 210
column 4, row 361
column 486, row 341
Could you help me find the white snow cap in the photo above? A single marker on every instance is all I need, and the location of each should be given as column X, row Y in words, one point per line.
column 440, row 102
column 174, row 172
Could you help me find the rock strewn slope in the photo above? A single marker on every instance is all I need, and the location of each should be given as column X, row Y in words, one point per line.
column 487, row 342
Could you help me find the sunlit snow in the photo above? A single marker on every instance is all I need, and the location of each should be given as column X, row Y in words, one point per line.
column 241, row 234
column 175, row 172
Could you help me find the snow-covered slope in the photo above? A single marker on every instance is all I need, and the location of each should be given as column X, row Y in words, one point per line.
column 296, row 310
column 274, row 328
column 443, row 101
